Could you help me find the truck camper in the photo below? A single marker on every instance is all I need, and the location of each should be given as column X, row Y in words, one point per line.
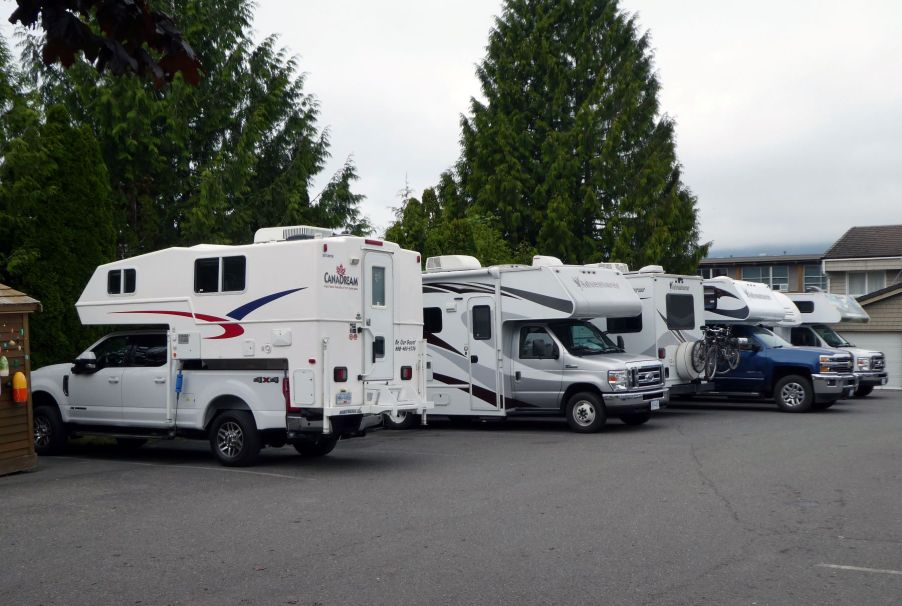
column 515, row 340
column 300, row 338
column 759, row 362
column 818, row 310
column 668, row 326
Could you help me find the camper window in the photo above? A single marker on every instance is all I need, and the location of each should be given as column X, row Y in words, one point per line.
column 378, row 286
column 206, row 275
column 806, row 307
column 233, row 273
column 680, row 312
column 535, row 344
column 624, row 325
column 482, row 322
column 432, row 319
column 114, row 284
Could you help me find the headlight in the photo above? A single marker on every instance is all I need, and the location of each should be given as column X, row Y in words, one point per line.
column 864, row 363
column 824, row 363
column 618, row 379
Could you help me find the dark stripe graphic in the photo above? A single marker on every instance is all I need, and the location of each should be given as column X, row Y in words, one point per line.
column 544, row 300
column 431, row 339
column 240, row 312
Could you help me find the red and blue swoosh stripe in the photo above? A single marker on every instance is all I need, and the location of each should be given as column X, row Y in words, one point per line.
column 229, row 328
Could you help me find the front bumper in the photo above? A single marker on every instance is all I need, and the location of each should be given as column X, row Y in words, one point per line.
column 871, row 377
column 833, row 386
column 636, row 401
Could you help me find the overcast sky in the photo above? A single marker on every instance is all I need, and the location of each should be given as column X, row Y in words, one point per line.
column 789, row 114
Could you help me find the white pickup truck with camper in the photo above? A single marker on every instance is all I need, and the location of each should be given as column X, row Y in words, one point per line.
column 820, row 310
column 300, row 338
column 513, row 340
column 668, row 327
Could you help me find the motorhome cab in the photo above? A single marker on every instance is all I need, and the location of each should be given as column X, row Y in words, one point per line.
column 515, row 339
column 818, row 311
column 302, row 338
column 668, row 326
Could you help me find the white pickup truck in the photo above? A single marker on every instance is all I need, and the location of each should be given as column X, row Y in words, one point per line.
column 118, row 387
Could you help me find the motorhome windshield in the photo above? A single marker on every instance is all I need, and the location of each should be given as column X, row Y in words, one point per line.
column 582, row 338
column 830, row 336
column 761, row 334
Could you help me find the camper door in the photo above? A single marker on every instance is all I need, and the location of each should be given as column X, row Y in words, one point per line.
column 481, row 353
column 378, row 320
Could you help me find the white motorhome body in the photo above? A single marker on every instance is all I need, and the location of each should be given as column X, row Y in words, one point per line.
column 729, row 301
column 817, row 312
column 495, row 341
column 338, row 318
column 668, row 326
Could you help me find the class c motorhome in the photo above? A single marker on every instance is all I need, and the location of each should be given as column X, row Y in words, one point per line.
column 514, row 339
column 668, row 326
column 303, row 337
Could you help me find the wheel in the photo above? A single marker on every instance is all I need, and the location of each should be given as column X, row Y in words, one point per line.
column 793, row 393
column 318, row 446
column 585, row 412
column 130, row 443
column 731, row 355
column 49, row 432
column 699, row 356
column 864, row 390
column 710, row 362
column 234, row 438
column 400, row 420
column 823, row 405
column 639, row 418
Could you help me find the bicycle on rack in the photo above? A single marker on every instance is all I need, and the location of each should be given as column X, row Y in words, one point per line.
column 717, row 353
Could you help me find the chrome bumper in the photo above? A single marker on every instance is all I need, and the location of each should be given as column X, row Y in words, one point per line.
column 871, row 377
column 833, row 386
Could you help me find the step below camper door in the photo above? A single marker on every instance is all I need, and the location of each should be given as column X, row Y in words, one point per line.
column 378, row 320
column 481, row 353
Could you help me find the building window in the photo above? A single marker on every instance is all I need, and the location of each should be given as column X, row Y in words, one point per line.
column 863, row 282
column 775, row 276
column 713, row 272
column 814, row 278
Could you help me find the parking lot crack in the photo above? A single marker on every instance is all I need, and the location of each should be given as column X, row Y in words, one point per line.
column 707, row 481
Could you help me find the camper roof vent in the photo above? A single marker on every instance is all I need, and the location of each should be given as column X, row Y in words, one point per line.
column 452, row 263
column 621, row 267
column 293, row 232
column 545, row 261
column 652, row 269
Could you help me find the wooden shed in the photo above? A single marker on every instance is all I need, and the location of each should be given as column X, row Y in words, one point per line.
column 16, row 437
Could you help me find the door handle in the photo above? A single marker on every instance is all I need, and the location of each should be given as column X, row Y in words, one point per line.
column 571, row 366
column 113, row 379
column 517, row 375
column 160, row 380
column 474, row 359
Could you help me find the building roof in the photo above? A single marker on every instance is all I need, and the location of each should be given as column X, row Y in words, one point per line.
column 863, row 242
column 762, row 259
column 878, row 295
column 13, row 300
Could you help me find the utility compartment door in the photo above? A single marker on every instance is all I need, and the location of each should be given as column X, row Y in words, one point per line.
column 482, row 353
column 378, row 320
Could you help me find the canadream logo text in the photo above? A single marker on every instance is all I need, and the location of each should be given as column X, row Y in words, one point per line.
column 340, row 278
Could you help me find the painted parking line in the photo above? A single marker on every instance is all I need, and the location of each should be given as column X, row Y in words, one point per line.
column 211, row 468
column 860, row 569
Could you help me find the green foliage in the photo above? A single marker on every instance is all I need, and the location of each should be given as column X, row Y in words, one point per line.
column 569, row 146
column 56, row 226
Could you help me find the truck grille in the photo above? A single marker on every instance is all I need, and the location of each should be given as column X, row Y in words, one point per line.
column 878, row 363
column 647, row 376
column 840, row 364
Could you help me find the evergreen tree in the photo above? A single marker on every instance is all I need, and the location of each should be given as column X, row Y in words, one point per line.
column 56, row 227
column 569, row 152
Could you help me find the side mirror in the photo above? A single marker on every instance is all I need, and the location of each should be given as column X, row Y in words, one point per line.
column 85, row 364
column 556, row 352
column 746, row 345
column 620, row 342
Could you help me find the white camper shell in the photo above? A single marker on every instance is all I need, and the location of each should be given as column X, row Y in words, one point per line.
column 513, row 339
column 817, row 312
column 322, row 333
column 729, row 301
column 668, row 325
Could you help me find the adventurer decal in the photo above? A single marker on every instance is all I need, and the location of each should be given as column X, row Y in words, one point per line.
column 584, row 283
column 340, row 279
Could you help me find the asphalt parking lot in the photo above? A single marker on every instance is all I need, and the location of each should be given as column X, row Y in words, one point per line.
column 708, row 503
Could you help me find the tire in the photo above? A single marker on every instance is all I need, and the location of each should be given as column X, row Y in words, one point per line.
column 823, row 405
column 49, row 433
column 639, row 418
column 234, row 438
column 793, row 393
column 698, row 356
column 130, row 443
column 316, row 447
column 402, row 420
column 732, row 355
column 864, row 390
column 710, row 362
column 585, row 412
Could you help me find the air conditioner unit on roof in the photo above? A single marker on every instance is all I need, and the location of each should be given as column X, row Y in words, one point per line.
column 451, row 263
column 292, row 232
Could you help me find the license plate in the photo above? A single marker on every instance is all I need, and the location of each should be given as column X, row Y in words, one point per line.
column 656, row 404
column 343, row 398
column 883, row 381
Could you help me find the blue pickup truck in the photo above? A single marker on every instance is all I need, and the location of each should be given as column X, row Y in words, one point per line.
column 799, row 379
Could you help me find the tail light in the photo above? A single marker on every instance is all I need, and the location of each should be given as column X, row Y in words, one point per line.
column 662, row 353
column 406, row 373
column 340, row 374
column 286, row 393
